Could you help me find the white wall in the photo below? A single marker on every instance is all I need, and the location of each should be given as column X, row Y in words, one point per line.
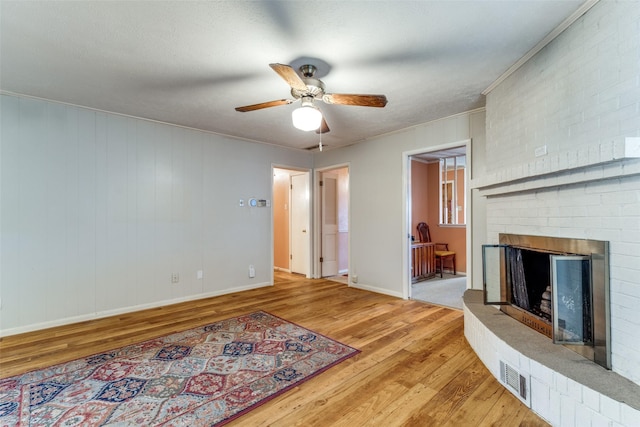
column 98, row 210
column 376, row 195
column 580, row 96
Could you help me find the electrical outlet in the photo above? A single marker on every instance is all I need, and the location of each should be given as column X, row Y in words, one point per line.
column 200, row 274
column 354, row 278
column 252, row 271
column 175, row 278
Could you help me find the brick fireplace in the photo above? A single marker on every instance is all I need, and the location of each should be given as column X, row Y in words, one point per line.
column 561, row 158
column 591, row 202
column 588, row 202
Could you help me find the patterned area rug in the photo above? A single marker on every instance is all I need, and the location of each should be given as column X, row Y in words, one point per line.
column 203, row 376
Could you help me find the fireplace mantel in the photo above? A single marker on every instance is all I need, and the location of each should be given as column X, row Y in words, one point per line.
column 603, row 161
column 555, row 370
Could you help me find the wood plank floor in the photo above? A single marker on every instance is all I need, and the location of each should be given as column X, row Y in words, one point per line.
column 415, row 368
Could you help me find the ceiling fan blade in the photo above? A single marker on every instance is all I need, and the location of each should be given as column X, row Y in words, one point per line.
column 359, row 100
column 324, row 127
column 289, row 75
column 264, row 105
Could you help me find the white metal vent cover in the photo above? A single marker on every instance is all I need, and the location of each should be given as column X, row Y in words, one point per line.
column 516, row 382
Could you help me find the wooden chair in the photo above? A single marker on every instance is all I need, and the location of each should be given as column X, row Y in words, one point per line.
column 443, row 254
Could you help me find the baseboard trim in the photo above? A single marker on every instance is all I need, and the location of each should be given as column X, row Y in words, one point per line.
column 115, row 312
column 376, row 290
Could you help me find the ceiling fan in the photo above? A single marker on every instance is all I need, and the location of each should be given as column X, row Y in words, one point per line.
column 307, row 89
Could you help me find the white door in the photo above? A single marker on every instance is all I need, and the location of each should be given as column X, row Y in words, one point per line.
column 299, row 224
column 329, row 224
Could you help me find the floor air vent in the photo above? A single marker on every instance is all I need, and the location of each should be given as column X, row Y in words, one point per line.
column 516, row 382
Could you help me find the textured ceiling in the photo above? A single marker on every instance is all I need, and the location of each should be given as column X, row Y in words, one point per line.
column 190, row 63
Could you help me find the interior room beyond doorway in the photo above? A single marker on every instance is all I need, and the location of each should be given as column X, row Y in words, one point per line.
column 438, row 198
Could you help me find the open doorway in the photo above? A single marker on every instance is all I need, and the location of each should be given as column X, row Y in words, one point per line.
column 333, row 220
column 291, row 221
column 437, row 193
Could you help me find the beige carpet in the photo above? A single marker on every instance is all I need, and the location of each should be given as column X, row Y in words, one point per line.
column 447, row 291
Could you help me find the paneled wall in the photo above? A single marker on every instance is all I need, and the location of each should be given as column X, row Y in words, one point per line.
column 99, row 210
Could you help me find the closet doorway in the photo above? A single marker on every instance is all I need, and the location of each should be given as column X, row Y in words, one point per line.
column 291, row 221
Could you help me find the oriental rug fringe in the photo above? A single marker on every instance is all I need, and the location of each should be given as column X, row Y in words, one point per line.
column 201, row 377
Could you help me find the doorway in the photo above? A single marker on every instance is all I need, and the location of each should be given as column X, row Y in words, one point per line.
column 437, row 190
column 291, row 221
column 333, row 220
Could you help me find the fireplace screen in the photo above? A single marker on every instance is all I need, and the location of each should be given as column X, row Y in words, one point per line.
column 557, row 286
column 571, row 278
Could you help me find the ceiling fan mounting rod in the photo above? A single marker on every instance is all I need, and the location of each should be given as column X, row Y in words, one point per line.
column 308, row 70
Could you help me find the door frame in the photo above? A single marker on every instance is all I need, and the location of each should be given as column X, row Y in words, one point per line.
column 309, row 217
column 406, row 207
column 317, row 217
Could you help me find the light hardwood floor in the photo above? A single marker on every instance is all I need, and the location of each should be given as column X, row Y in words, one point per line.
column 415, row 368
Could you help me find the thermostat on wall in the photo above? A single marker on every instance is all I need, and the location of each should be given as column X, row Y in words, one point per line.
column 258, row 203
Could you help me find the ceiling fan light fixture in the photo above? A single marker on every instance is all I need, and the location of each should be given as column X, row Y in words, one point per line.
column 307, row 117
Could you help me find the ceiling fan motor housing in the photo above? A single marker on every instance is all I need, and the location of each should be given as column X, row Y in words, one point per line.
column 315, row 89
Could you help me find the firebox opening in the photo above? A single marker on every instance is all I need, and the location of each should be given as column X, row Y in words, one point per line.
column 534, row 269
column 557, row 286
